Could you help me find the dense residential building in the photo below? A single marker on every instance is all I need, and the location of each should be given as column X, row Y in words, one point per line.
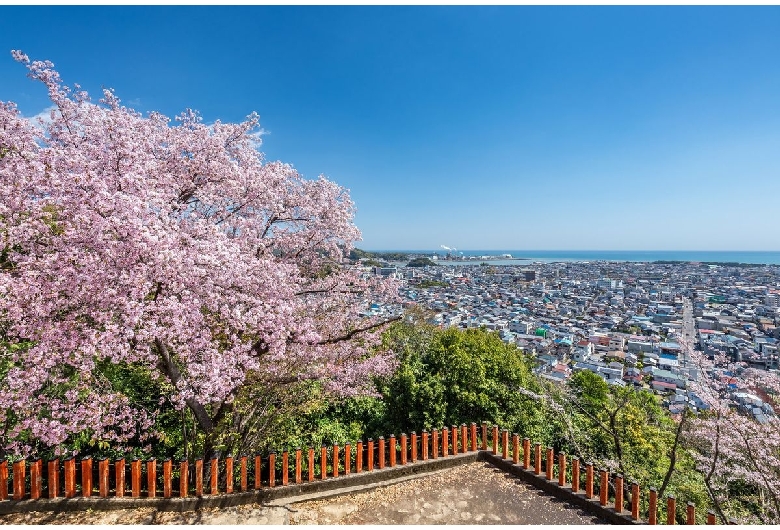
column 620, row 320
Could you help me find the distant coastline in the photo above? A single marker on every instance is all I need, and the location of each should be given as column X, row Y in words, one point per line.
column 497, row 257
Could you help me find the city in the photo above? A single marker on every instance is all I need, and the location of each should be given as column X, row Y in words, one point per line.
column 622, row 321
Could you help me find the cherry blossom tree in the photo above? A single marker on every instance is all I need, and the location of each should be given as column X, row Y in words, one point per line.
column 738, row 455
column 129, row 239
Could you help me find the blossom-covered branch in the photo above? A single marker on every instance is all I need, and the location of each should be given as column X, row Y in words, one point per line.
column 173, row 246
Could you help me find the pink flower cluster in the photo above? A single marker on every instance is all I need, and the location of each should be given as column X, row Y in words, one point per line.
column 731, row 446
column 129, row 238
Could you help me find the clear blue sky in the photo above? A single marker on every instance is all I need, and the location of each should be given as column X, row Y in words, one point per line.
column 471, row 127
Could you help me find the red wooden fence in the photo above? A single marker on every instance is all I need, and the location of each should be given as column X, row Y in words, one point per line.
column 31, row 480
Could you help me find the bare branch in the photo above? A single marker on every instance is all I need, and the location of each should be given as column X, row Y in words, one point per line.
column 673, row 456
column 356, row 331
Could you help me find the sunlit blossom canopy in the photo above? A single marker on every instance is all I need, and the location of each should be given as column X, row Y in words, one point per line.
column 175, row 246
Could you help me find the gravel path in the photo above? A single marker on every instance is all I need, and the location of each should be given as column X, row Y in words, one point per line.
column 470, row 494
column 474, row 493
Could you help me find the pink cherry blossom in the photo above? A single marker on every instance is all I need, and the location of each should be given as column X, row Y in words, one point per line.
column 171, row 245
column 731, row 447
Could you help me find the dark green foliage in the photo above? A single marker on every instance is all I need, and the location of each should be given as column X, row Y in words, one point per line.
column 167, row 439
column 356, row 254
column 449, row 377
column 422, row 262
column 628, row 430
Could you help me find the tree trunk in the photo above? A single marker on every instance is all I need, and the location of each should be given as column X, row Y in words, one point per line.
column 202, row 417
column 672, row 456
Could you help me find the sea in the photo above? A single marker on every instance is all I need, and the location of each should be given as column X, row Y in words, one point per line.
column 520, row 257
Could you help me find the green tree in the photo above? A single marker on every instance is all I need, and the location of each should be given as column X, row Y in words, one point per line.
column 421, row 262
column 453, row 376
column 628, row 431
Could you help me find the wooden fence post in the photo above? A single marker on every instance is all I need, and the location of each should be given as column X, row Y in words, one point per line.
column 604, row 488
column 323, row 462
column 434, row 443
column 484, row 436
column 575, row 474
column 515, row 448
column 495, row 439
column 36, row 479
column 359, row 457
column 86, row 477
column 70, row 477
column 445, row 442
column 19, row 468
column 404, row 448
column 285, row 468
column 711, row 517
column 671, row 509
column 119, row 477
column 652, row 514
column 504, row 444
column 244, row 473
column 635, row 501
column 199, row 477
column 347, row 459
column 455, row 437
column 550, row 463
column 258, row 472
column 228, row 474
column 310, row 464
column 167, row 478
column 298, row 456
column 464, row 446
column 414, row 446
column 53, row 482
column 381, row 452
column 526, row 453
column 4, row 480
column 151, row 478
column 690, row 513
column 424, row 446
column 135, row 478
column 184, row 471
column 371, row 456
column 538, row 458
column 619, row 493
column 392, row 449
column 272, row 470
column 103, row 478
column 561, row 469
column 214, row 476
